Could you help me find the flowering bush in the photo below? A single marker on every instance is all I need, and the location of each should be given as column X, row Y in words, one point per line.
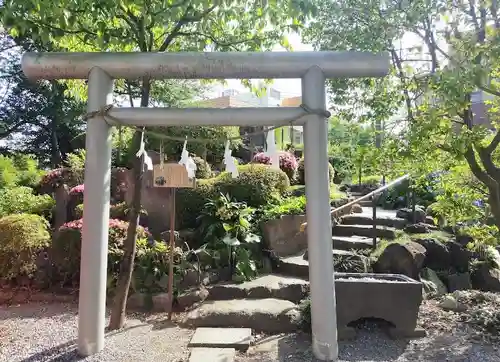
column 60, row 176
column 76, row 195
column 288, row 162
column 67, row 245
column 77, row 190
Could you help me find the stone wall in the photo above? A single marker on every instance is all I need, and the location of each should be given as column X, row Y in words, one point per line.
column 283, row 235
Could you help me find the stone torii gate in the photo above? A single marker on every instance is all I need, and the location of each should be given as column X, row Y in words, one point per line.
column 102, row 68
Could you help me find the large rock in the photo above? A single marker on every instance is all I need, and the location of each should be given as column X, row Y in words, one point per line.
column 459, row 281
column 356, row 209
column 437, row 256
column 407, row 259
column 464, row 239
column 347, row 261
column 486, row 279
column 432, row 284
column 407, row 213
column 460, row 256
column 189, row 298
column 419, row 228
column 283, row 235
column 262, row 315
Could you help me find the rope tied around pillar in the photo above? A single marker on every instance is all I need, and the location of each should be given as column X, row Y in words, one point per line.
column 105, row 110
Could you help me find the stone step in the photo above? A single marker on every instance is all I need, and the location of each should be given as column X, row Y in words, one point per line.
column 364, row 230
column 356, row 194
column 238, row 338
column 365, row 203
column 262, row 315
column 365, row 219
column 298, row 266
column 212, row 355
column 352, row 242
column 267, row 286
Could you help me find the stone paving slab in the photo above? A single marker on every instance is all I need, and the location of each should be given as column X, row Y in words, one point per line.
column 238, row 338
column 212, row 355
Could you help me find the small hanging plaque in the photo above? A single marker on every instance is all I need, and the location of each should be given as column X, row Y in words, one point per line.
column 172, row 175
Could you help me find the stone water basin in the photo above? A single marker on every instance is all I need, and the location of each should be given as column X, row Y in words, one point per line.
column 394, row 298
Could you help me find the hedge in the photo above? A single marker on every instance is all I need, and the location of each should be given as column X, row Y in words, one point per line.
column 22, row 238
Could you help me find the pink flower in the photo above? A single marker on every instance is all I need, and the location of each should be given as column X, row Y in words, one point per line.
column 287, row 160
column 77, row 190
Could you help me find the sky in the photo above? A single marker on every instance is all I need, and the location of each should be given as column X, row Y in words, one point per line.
column 287, row 87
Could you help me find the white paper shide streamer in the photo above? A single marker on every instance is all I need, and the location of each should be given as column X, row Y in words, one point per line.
column 271, row 150
column 229, row 161
column 148, row 162
column 188, row 162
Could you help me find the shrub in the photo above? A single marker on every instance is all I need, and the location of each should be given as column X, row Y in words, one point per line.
column 288, row 162
column 78, row 189
column 22, row 200
column 301, row 172
column 373, row 180
column 150, row 269
column 256, row 185
column 76, row 194
column 191, row 202
column 22, row 238
column 79, row 211
column 28, row 172
column 57, row 177
column 203, row 169
column 289, row 206
column 305, row 314
column 67, row 245
column 118, row 211
column 8, row 172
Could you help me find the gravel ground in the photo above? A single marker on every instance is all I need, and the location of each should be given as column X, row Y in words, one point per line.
column 47, row 332
column 373, row 346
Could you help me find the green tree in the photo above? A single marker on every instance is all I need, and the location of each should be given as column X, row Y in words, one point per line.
column 148, row 26
column 442, row 55
column 36, row 118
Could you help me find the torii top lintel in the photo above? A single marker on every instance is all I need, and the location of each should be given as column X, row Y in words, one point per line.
column 208, row 65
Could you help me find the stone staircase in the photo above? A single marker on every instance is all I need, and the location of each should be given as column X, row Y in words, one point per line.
column 269, row 304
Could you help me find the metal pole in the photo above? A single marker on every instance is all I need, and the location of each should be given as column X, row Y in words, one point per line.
column 374, row 205
column 171, row 252
column 319, row 232
column 94, row 260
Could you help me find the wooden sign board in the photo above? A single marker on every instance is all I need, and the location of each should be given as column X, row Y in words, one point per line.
column 172, row 175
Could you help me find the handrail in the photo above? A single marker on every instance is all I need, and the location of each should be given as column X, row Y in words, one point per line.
column 364, row 197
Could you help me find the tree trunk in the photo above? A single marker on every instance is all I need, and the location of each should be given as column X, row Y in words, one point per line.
column 494, row 201
column 118, row 313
